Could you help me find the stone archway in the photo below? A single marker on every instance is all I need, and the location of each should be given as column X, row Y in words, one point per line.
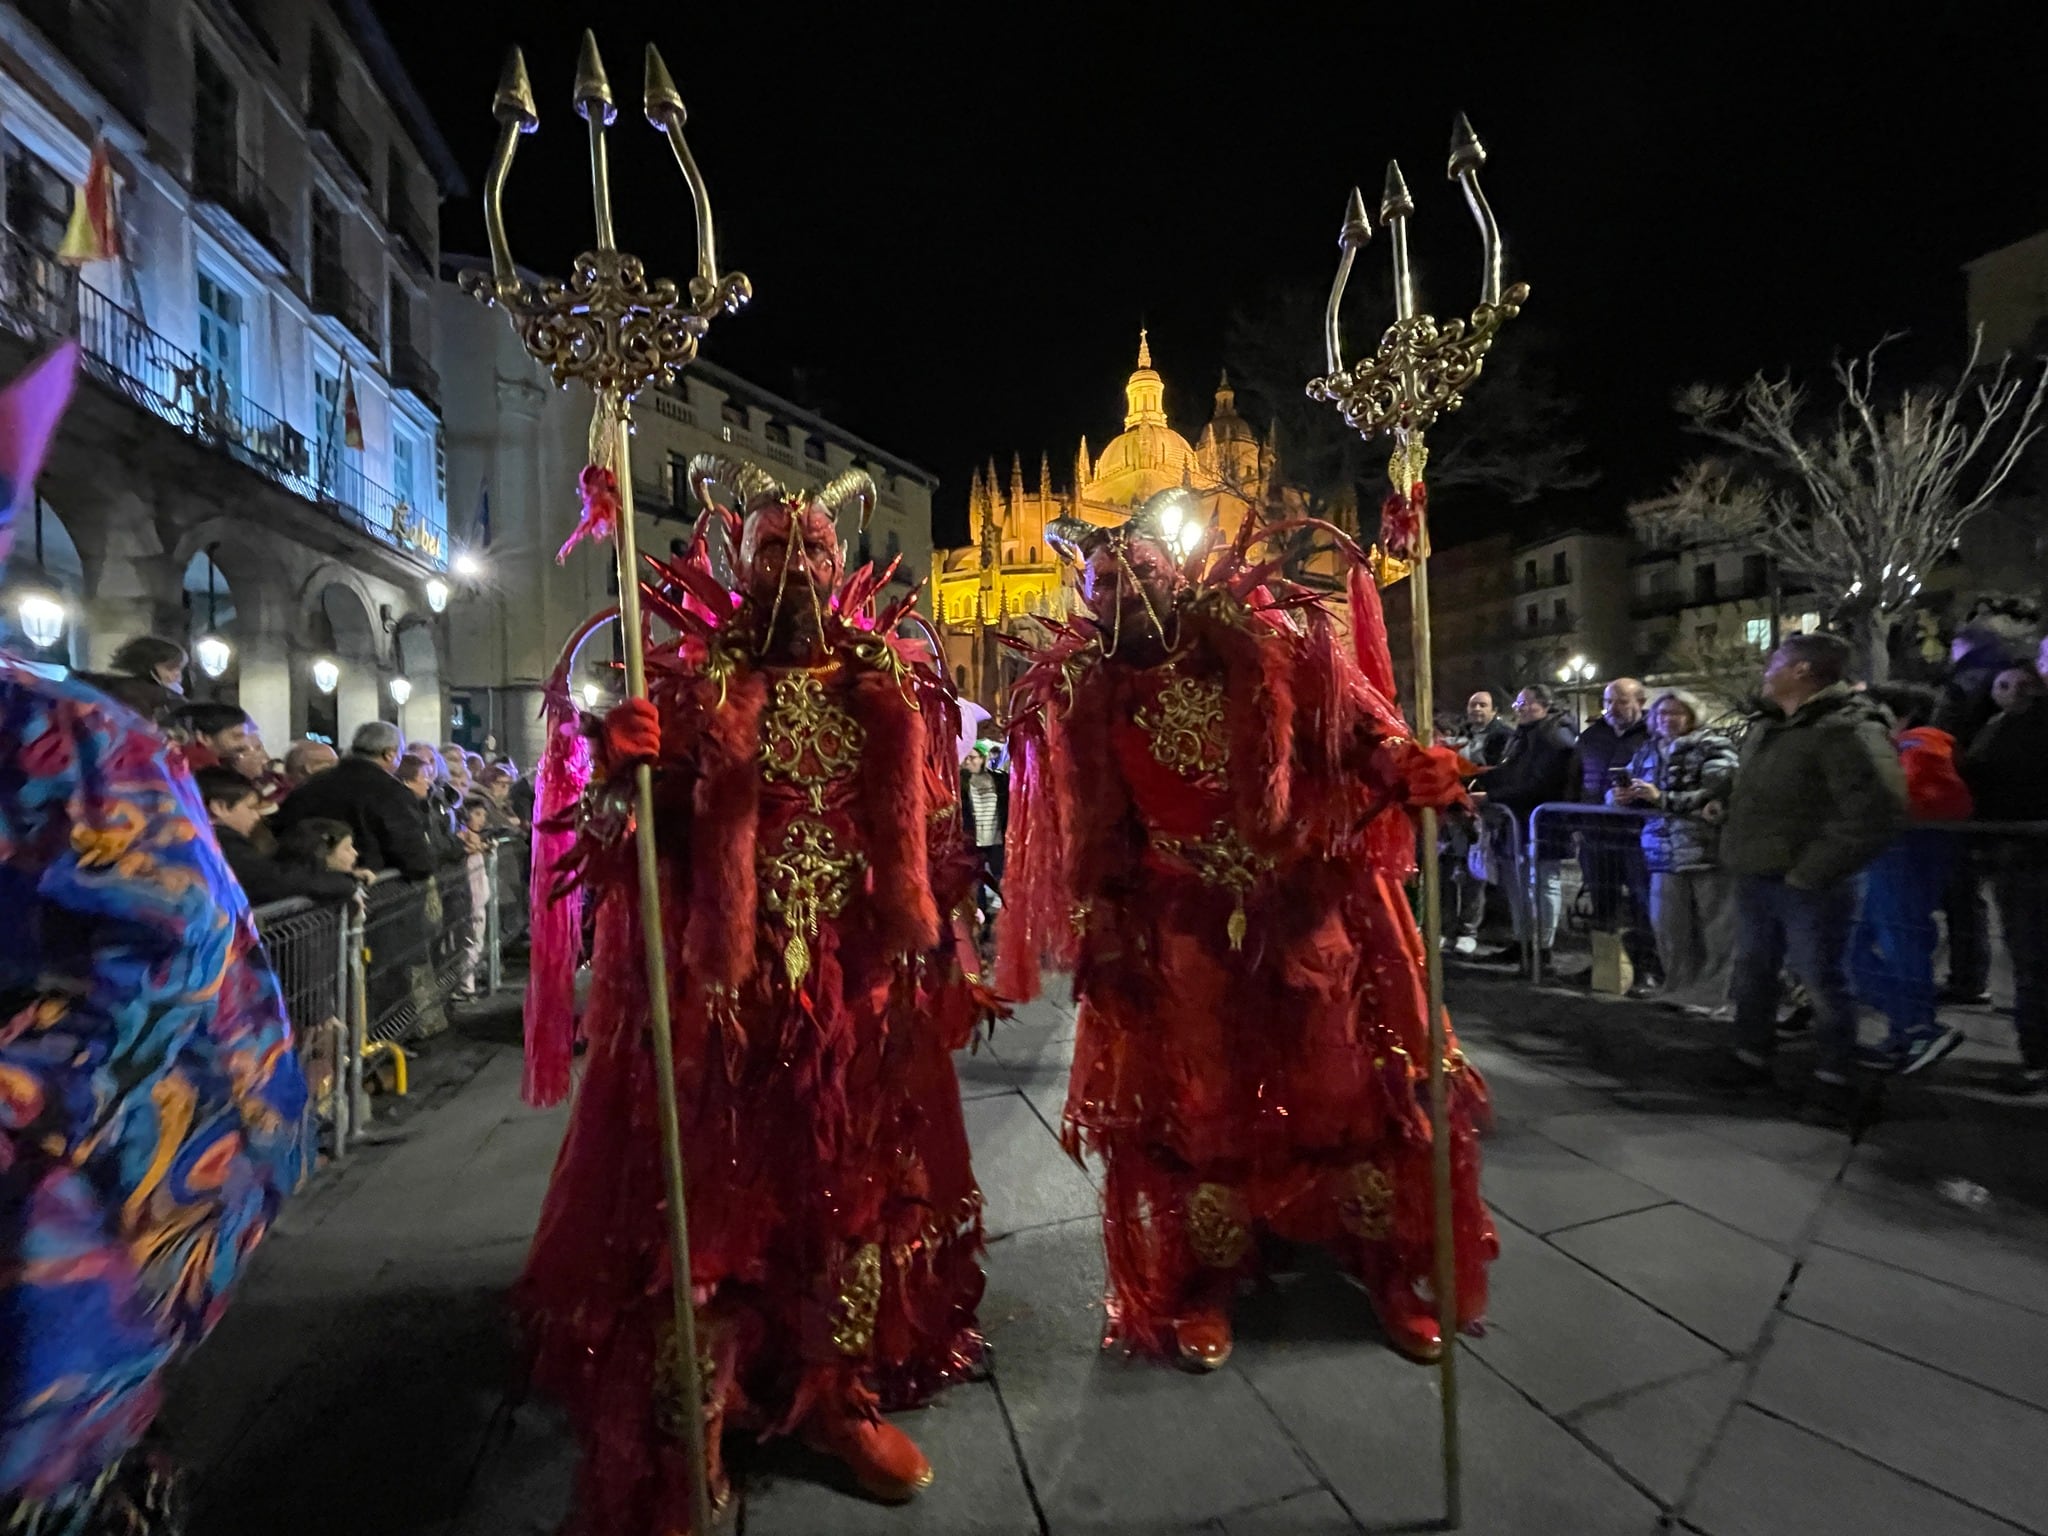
column 341, row 624
column 251, row 609
column 45, row 568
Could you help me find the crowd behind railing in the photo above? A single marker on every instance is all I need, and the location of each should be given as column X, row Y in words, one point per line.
column 1838, row 836
column 387, row 882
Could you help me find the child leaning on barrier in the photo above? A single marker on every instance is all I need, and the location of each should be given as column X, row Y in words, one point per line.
column 1891, row 948
column 1683, row 774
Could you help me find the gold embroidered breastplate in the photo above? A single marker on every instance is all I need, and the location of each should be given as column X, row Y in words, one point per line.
column 810, row 743
column 1187, row 729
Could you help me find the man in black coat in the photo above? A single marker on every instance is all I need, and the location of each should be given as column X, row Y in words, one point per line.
column 362, row 790
column 1977, row 655
column 1537, row 771
column 2003, row 770
column 1486, row 742
column 1617, row 881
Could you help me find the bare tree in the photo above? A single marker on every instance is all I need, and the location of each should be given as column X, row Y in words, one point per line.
column 1861, row 504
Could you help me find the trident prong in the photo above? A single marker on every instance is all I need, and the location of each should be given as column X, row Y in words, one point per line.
column 594, row 104
column 512, row 106
column 1467, row 156
column 664, row 105
column 1395, row 207
column 1351, row 239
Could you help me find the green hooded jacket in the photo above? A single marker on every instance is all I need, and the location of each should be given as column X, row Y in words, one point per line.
column 1819, row 793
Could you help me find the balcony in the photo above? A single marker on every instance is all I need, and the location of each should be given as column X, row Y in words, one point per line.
column 329, row 118
column 98, row 37
column 45, row 302
column 411, row 370
column 1550, row 624
column 413, row 231
column 335, row 293
column 237, row 187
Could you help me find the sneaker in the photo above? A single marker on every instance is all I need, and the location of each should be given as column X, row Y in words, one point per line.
column 2021, row 1081
column 1923, row 1051
column 1880, row 1059
column 1796, row 1024
column 1738, row 1072
column 1644, row 991
column 1465, row 944
column 1964, row 996
column 1508, row 952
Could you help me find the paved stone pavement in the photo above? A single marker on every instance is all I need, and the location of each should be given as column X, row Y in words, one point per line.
column 1706, row 1317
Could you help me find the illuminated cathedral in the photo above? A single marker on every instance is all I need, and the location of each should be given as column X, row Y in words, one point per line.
column 1006, row 576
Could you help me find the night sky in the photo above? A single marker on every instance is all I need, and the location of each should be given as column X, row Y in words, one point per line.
column 956, row 218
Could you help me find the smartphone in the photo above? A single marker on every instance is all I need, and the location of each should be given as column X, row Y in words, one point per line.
column 1619, row 778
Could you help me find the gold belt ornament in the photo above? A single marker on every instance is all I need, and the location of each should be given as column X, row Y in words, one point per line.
column 1366, row 1206
column 803, row 882
column 809, row 740
column 1225, row 860
column 1215, row 1218
column 860, row 1298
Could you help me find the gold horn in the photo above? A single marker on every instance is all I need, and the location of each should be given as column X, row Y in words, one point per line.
column 748, row 485
column 855, row 485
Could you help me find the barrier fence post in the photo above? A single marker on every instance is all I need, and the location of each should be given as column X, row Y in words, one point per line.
column 338, row 1093
column 358, row 1019
column 1532, row 900
column 494, row 927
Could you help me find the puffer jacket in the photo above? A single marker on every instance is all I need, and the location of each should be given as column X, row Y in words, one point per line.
column 1819, row 792
column 1935, row 790
column 1691, row 772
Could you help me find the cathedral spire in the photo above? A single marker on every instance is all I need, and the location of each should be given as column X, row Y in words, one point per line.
column 1082, row 472
column 1144, row 393
column 1144, row 349
column 1016, row 483
column 1044, row 474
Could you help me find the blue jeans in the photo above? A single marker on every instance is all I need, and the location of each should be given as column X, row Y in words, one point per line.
column 1891, row 951
column 1777, row 925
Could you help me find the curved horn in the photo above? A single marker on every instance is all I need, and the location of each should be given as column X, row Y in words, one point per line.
column 851, row 485
column 1147, row 522
column 748, row 484
column 1068, row 537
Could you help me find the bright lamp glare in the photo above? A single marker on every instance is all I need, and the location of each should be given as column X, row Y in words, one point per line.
column 42, row 619
column 213, row 654
column 326, row 675
column 590, row 695
column 467, row 564
column 437, row 594
column 401, row 690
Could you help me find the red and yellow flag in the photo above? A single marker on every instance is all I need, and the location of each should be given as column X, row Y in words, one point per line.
column 351, row 414
column 94, row 234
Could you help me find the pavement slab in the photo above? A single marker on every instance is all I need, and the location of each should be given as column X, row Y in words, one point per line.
column 1770, row 1478
column 1540, row 1185
column 1714, row 1280
column 1975, row 1446
column 1660, row 1435
column 1994, row 1345
column 1026, row 1180
column 1568, row 1337
column 1944, row 1241
column 1309, row 1514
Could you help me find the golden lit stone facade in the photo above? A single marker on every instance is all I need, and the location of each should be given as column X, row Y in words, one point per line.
column 1007, row 576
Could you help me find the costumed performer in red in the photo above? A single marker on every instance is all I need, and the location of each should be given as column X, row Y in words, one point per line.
column 1208, row 826
column 811, row 867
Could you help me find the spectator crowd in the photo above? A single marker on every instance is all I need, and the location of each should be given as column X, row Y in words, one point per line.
column 1824, row 851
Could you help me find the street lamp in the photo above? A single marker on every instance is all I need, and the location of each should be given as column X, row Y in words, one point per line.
column 590, row 695
column 42, row 619
column 437, row 594
column 326, row 674
column 401, row 690
column 212, row 653
column 467, row 564
column 1578, row 672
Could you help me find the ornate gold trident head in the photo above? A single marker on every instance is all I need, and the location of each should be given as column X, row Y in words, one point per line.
column 1421, row 369
column 608, row 326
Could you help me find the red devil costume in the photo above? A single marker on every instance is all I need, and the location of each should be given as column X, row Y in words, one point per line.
column 1208, row 827
column 811, row 859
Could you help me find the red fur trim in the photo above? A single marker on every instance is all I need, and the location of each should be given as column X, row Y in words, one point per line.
column 892, row 806
column 1258, row 689
column 719, row 938
column 1102, row 846
column 556, row 921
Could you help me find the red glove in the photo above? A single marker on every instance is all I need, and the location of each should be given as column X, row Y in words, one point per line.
column 1431, row 775
column 632, row 734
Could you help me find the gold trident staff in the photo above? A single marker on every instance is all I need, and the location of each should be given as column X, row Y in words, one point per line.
column 1421, row 371
column 611, row 329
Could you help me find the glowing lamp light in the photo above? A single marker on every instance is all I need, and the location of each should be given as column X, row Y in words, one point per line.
column 401, row 690
column 590, row 695
column 213, row 654
column 326, row 674
column 42, row 619
column 437, row 594
column 467, row 564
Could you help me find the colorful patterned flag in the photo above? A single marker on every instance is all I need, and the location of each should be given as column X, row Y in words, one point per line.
column 30, row 408
column 351, row 414
column 94, row 234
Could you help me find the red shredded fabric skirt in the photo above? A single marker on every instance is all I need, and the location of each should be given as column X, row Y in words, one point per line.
column 835, row 1224
column 1281, row 1089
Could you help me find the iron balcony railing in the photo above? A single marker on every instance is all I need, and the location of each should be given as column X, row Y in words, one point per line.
column 410, row 370
column 238, row 187
column 336, row 293
column 414, row 232
column 43, row 300
column 331, row 119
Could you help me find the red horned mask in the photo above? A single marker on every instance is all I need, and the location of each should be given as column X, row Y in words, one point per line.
column 785, row 537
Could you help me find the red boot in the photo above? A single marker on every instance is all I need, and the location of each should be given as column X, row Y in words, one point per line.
column 1203, row 1338
column 884, row 1461
column 1408, row 1320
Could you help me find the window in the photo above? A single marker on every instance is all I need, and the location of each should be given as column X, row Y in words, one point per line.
column 1528, row 575
column 1529, row 617
column 1757, row 632
column 733, row 415
column 1557, row 609
column 220, row 342
column 814, row 449
column 892, row 546
column 324, row 77
column 396, row 202
column 401, row 317
column 216, row 150
column 1703, row 583
column 38, row 198
column 326, row 239
column 1560, row 569
column 1756, row 574
column 776, row 433
column 405, row 453
column 1809, row 624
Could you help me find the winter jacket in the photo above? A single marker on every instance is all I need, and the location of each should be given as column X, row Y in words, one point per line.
column 386, row 818
column 264, row 880
column 1602, row 749
column 1537, row 771
column 1488, row 746
column 1690, row 773
column 1966, row 706
column 1935, row 790
column 2003, row 767
column 1818, row 794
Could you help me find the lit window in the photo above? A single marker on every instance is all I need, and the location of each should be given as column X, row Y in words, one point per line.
column 1809, row 623
column 1758, row 633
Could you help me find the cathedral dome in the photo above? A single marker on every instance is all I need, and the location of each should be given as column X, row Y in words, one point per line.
column 1226, row 426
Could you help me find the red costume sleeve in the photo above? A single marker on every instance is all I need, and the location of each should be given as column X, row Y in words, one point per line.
column 893, row 809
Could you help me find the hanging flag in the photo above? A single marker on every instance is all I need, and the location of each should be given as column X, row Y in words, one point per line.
column 351, row 415
column 93, row 233
column 481, row 535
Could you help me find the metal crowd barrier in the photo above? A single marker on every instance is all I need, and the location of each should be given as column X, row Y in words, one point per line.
column 1584, row 863
column 364, row 977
